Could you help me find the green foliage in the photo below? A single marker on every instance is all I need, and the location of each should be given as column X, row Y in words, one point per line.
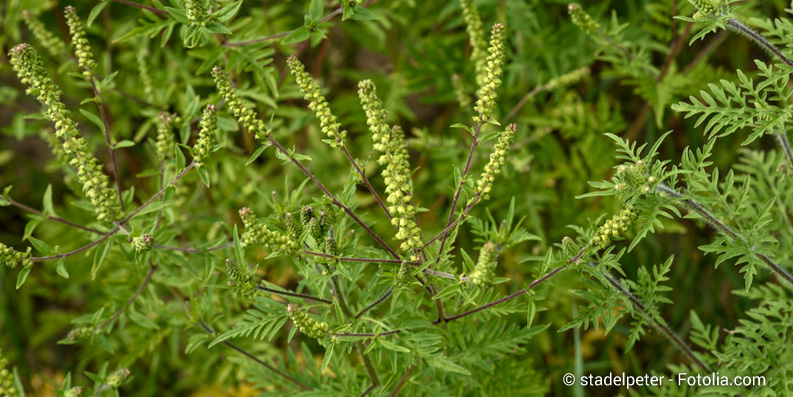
column 366, row 198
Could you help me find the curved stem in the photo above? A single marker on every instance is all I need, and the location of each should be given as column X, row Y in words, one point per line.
column 145, row 282
column 293, row 294
column 375, row 303
column 736, row 26
column 52, row 218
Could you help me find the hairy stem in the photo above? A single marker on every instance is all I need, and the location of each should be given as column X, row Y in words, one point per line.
column 736, row 26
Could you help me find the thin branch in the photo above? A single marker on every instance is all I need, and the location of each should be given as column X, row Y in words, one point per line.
column 453, row 224
column 254, row 358
column 282, row 34
column 294, row 294
column 368, row 389
column 369, row 335
column 52, row 218
column 110, row 149
column 781, row 136
column 141, row 6
column 193, row 250
column 366, row 181
column 348, row 259
column 142, row 286
column 402, row 381
column 158, row 194
column 375, row 303
column 736, row 26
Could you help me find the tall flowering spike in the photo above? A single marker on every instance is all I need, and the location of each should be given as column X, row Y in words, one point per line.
column 317, row 103
column 196, row 11
column 30, row 69
column 567, row 78
column 12, row 258
column 399, row 190
column 484, row 271
column 476, row 36
column 459, row 92
column 116, row 379
column 615, row 227
column 7, row 388
column 241, row 279
column 166, row 143
column 51, row 42
column 492, row 81
column 245, row 116
column 257, row 232
column 497, row 160
column 581, row 19
column 375, row 114
column 707, row 8
column 207, row 136
column 306, row 324
column 145, row 76
column 81, row 47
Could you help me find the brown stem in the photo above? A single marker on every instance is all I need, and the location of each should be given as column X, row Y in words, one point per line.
column 402, row 381
column 110, row 149
column 293, row 294
column 52, row 218
column 366, row 181
column 145, row 282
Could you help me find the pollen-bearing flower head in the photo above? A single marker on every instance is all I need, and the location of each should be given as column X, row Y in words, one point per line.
column 615, row 227
column 116, row 379
column 317, row 103
column 488, row 91
column 13, row 258
column 256, row 232
column 306, row 324
column 166, row 143
column 73, row 392
column 245, row 116
column 49, row 41
column 82, row 50
column 142, row 243
column 484, row 271
column 581, row 19
column 497, row 160
column 707, row 8
column 31, row 72
column 7, row 388
column 476, row 36
column 207, row 136
column 196, row 12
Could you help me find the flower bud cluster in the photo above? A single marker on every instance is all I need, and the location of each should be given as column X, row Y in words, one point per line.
column 403, row 275
column 196, row 11
column 635, row 178
column 616, row 226
column 317, row 226
column 293, row 227
column 143, row 243
column 567, row 78
column 306, row 324
column 484, row 271
column 166, row 142
column 492, row 79
column 82, row 50
column 30, row 69
column 473, row 25
column 582, row 19
column 207, row 136
column 241, row 278
column 145, row 75
column 707, row 8
column 81, row 334
column 317, row 103
column 245, row 116
column 116, row 379
column 51, row 42
column 497, row 160
column 11, row 257
column 73, row 392
column 459, row 92
column 330, row 246
column 7, row 388
column 257, row 232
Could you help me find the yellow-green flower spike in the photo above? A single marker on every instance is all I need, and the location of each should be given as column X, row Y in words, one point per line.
column 143, row 243
column 7, row 388
column 615, row 227
column 245, row 116
column 317, row 103
column 73, row 392
column 567, row 79
column 12, row 258
column 707, row 8
column 306, row 324
column 145, row 76
column 459, row 92
column 241, row 279
column 634, row 179
column 49, row 41
column 207, row 136
column 196, row 11
column 403, row 275
column 116, row 379
column 497, row 160
column 492, row 81
column 166, row 142
column 82, row 50
column 257, row 232
column 306, row 215
column 30, row 69
column 476, row 36
column 375, row 114
column 293, row 227
column 581, row 19
column 484, row 271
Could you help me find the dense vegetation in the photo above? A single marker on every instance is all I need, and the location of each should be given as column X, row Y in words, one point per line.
column 379, row 197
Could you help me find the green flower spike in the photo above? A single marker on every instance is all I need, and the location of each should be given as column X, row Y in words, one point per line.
column 403, row 275
column 257, row 232
column 207, row 136
column 476, row 36
column 634, row 178
column 51, row 42
column 73, row 392
column 196, row 11
column 116, row 379
column 306, row 215
column 330, row 246
column 30, row 69
column 484, row 271
column 306, row 324
column 492, row 81
column 142, row 243
column 241, row 279
column 497, row 160
column 375, row 114
column 82, row 50
column 317, row 103
column 459, row 92
column 707, row 8
column 11, row 257
column 581, row 19
column 615, row 227
column 166, row 143
column 145, row 75
column 245, row 116
column 293, row 227
column 7, row 388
